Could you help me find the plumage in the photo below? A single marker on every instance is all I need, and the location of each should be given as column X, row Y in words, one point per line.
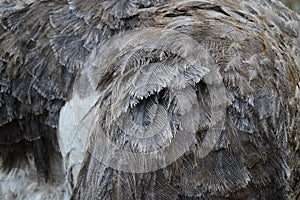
column 149, row 99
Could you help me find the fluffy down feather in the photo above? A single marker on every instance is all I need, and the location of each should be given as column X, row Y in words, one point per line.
column 153, row 88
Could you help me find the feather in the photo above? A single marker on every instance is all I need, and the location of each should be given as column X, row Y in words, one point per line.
column 190, row 99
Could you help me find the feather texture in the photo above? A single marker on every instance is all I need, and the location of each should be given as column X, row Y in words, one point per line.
column 196, row 99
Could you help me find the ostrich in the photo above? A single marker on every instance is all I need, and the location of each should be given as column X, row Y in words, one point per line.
column 149, row 99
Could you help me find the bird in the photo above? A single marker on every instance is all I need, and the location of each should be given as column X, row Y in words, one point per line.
column 149, row 99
